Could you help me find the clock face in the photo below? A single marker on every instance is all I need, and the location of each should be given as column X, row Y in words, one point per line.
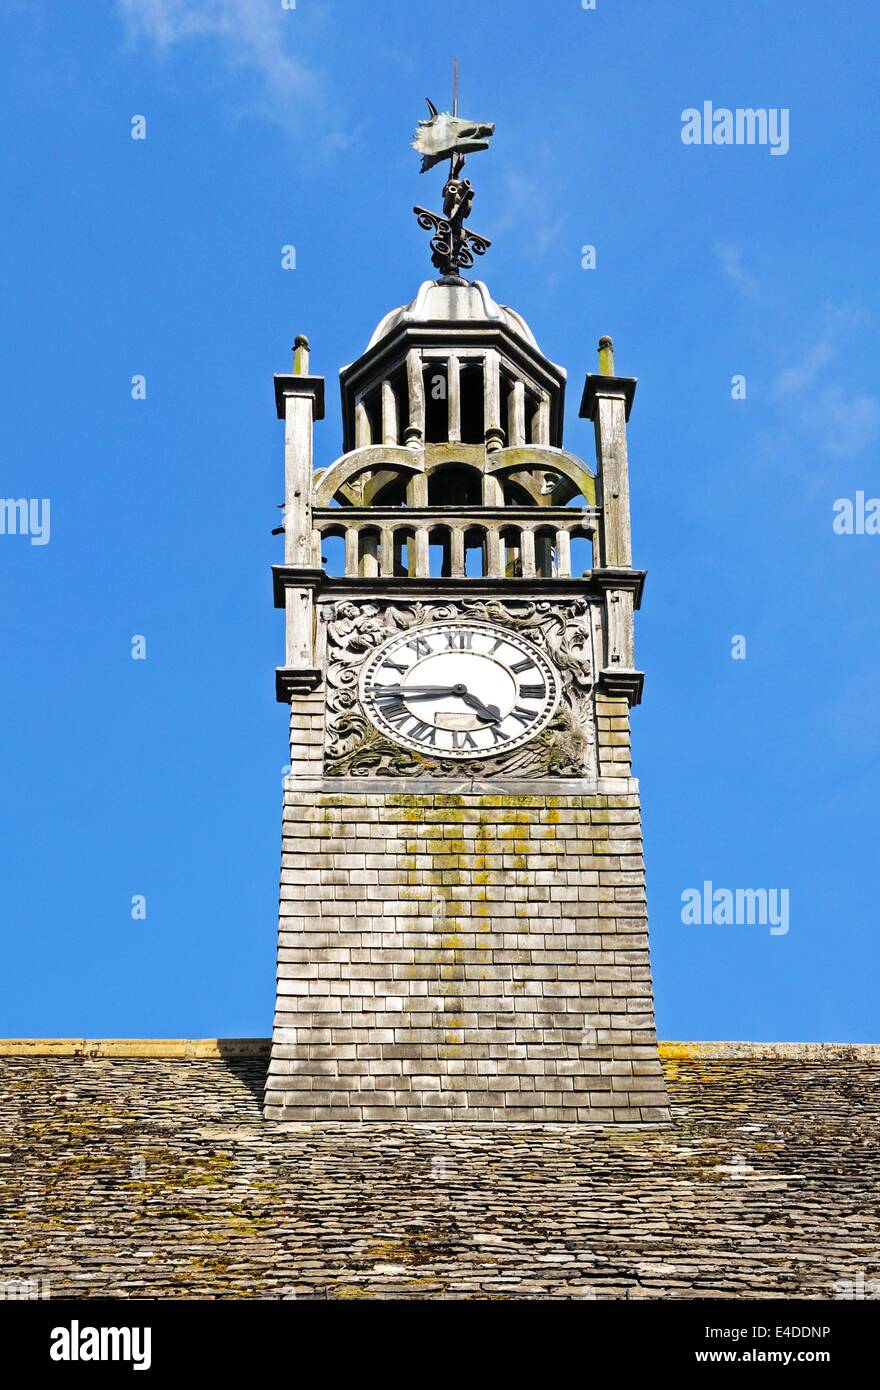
column 459, row 690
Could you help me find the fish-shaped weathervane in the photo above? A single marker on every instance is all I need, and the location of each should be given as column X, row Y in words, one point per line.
column 446, row 135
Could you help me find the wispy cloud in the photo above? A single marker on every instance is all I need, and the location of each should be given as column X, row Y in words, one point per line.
column 523, row 209
column 730, row 258
column 248, row 37
column 842, row 421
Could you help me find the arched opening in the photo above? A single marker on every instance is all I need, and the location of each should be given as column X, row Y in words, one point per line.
column 581, row 552
column 392, row 494
column 436, row 409
column 439, row 552
column 474, row 553
column 472, row 413
column 454, row 485
column 515, row 495
column 333, row 552
column 511, row 552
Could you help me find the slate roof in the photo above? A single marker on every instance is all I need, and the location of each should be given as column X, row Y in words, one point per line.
column 141, row 1175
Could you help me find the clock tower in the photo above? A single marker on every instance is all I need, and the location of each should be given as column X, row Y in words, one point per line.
column 463, row 930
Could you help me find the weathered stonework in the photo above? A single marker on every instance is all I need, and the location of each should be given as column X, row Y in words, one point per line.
column 478, row 953
column 463, row 931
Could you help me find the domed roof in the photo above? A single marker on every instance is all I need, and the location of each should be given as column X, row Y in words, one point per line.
column 468, row 303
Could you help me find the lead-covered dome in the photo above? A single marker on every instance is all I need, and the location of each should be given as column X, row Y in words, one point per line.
column 470, row 304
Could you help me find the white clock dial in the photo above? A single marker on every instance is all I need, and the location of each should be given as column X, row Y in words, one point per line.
column 459, row 690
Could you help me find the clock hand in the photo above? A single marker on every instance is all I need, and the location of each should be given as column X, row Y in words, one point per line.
column 407, row 690
column 488, row 714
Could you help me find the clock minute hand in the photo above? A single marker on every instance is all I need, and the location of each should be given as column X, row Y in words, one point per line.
column 406, row 690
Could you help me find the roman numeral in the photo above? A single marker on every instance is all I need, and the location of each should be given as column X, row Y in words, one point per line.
column 525, row 716
column 402, row 670
column 425, row 732
column 521, row 666
column 496, row 737
column 461, row 641
column 462, row 741
column 420, row 645
column 532, row 692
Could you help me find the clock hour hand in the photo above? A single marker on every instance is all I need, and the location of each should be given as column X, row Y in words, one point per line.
column 487, row 714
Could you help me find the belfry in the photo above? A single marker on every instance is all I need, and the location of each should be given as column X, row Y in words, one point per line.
column 463, row 931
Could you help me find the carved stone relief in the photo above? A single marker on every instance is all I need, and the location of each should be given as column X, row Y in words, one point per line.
column 563, row 630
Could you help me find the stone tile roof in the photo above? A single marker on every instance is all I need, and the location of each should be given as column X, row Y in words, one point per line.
column 144, row 1168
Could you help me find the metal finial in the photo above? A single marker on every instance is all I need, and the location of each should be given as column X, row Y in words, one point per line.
column 300, row 355
column 447, row 136
column 606, row 357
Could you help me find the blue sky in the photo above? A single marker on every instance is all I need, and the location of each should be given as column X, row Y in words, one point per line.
column 268, row 127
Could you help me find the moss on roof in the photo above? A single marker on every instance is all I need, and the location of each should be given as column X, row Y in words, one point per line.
column 133, row 1176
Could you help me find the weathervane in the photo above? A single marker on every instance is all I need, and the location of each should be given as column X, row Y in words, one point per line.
column 447, row 136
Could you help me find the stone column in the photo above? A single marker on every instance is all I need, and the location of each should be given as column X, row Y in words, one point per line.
column 516, row 415
column 386, row 552
column 363, row 434
column 563, row 554
column 457, row 552
column 494, row 566
column 492, row 400
column 527, row 552
column 453, row 399
column 414, row 435
column 389, row 414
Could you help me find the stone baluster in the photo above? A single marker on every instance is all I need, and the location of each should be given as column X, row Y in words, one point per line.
column 494, row 565
column 386, row 552
column 563, row 554
column 457, row 553
column 369, row 554
column 527, row 552
column 421, row 568
column 351, row 551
